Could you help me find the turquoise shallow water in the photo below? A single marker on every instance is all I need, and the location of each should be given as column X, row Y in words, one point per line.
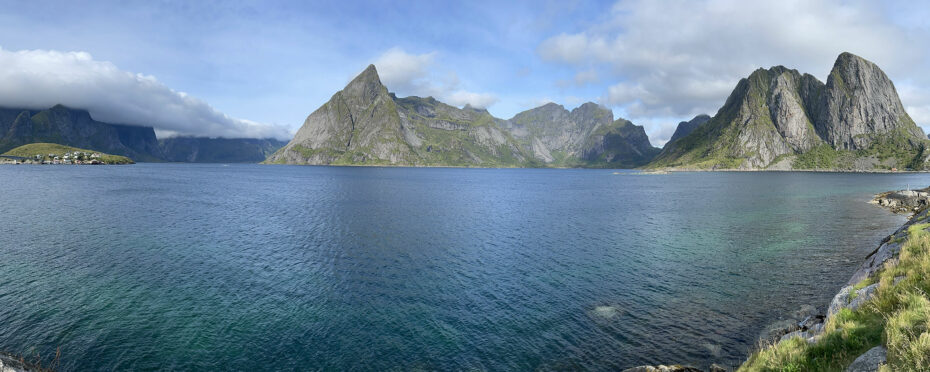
column 248, row 267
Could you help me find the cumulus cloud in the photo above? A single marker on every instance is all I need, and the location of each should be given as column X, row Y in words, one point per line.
column 678, row 58
column 417, row 75
column 39, row 79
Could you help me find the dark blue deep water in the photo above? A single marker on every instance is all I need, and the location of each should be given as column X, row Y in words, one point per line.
column 249, row 267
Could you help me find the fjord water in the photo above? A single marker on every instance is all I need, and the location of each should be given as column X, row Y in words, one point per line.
column 248, row 267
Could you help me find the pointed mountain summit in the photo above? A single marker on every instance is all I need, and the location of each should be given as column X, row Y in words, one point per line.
column 778, row 118
column 364, row 124
column 859, row 102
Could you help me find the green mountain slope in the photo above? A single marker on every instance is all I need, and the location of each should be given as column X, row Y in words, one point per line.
column 779, row 118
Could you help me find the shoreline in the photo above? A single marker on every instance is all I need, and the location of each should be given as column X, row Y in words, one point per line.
column 637, row 170
column 810, row 324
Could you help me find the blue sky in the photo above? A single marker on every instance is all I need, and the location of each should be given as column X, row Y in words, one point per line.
column 259, row 68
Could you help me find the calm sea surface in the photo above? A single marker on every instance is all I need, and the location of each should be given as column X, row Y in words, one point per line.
column 249, row 267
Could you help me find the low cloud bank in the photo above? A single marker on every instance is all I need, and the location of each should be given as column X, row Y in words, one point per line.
column 39, row 79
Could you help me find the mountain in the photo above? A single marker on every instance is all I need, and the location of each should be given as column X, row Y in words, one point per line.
column 74, row 127
column 781, row 119
column 585, row 136
column 364, row 124
column 686, row 127
column 71, row 127
column 620, row 144
column 218, row 150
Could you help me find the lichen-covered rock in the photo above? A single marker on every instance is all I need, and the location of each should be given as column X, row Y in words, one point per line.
column 839, row 301
column 862, row 295
column 869, row 361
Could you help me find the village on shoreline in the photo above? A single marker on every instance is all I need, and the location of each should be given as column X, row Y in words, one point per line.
column 69, row 158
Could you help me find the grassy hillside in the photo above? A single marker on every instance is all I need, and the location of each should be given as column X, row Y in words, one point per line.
column 53, row 149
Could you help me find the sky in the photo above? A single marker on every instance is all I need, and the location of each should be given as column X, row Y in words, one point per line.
column 258, row 68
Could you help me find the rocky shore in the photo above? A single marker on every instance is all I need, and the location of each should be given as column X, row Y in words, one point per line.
column 904, row 201
column 808, row 323
column 9, row 363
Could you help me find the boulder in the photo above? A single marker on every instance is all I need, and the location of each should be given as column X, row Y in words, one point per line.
column 839, row 301
column 863, row 295
column 802, row 334
column 774, row 331
column 846, row 300
column 869, row 361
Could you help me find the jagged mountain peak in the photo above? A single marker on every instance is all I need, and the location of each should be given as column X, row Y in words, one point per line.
column 366, row 86
column 860, row 101
column 777, row 115
column 549, row 106
column 847, row 58
column 365, row 124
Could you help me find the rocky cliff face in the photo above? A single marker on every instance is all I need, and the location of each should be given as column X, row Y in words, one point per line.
column 621, row 144
column 76, row 128
column 218, row 150
column 551, row 128
column 587, row 135
column 686, row 127
column 778, row 115
column 365, row 124
column 860, row 102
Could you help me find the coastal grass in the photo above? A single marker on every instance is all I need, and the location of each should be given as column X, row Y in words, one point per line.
column 898, row 317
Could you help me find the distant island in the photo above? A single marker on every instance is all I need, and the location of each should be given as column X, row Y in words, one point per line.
column 52, row 153
column 776, row 119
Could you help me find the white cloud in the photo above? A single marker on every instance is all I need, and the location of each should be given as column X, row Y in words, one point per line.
column 405, row 72
column 479, row 100
column 678, row 58
column 916, row 99
column 39, row 79
column 416, row 74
